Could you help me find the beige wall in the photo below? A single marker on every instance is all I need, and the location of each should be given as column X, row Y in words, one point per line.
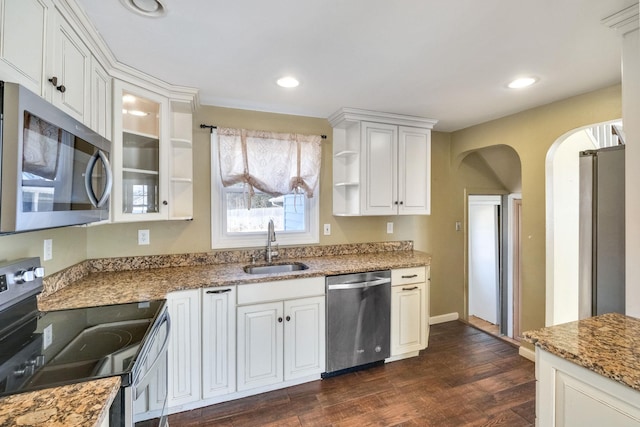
column 531, row 133
column 114, row 240
column 69, row 246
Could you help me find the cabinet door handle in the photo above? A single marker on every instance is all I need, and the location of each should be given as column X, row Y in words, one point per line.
column 410, row 289
column 401, row 202
column 288, row 318
column 279, row 319
column 411, row 276
column 395, row 203
column 164, row 202
column 61, row 88
column 221, row 291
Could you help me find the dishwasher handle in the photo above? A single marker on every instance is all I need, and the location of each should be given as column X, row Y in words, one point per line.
column 359, row 285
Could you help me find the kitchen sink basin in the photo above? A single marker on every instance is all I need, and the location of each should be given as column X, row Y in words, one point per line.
column 275, row 268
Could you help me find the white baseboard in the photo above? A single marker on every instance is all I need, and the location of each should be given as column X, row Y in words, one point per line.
column 527, row 354
column 449, row 317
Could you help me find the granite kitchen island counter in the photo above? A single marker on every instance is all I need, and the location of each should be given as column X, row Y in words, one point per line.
column 608, row 345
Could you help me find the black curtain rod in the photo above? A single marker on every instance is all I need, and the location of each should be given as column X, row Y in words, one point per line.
column 211, row 127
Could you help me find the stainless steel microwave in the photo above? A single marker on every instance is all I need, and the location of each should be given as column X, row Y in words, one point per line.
column 54, row 170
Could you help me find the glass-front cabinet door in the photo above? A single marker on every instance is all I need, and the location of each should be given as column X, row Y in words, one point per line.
column 141, row 132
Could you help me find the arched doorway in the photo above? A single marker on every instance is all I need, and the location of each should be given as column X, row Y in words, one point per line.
column 562, row 217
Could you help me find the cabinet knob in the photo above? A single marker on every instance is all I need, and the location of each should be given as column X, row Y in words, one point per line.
column 401, row 202
column 288, row 318
column 395, row 203
column 279, row 319
column 164, row 202
column 54, row 81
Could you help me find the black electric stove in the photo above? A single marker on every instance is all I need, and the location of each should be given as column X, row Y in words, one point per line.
column 44, row 349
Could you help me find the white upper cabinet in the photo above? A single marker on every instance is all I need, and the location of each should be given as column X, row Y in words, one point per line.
column 23, row 39
column 152, row 156
column 381, row 163
column 69, row 70
column 140, row 154
column 101, row 91
column 41, row 50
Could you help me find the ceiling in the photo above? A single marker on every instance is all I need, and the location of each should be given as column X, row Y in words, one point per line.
column 445, row 60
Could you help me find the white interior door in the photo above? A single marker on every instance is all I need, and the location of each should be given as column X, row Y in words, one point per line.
column 483, row 257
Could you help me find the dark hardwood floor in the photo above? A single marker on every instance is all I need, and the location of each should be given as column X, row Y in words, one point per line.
column 465, row 378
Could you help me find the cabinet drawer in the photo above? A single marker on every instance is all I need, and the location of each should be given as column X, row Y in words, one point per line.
column 403, row 276
column 281, row 290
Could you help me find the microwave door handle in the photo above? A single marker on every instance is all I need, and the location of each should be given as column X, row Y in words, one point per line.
column 98, row 155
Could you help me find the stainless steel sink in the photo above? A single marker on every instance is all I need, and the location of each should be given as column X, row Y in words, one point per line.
column 275, row 268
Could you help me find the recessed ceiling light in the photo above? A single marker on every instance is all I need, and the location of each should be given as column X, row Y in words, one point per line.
column 288, row 82
column 522, row 82
column 150, row 8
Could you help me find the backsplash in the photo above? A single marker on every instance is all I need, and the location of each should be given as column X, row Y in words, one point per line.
column 59, row 280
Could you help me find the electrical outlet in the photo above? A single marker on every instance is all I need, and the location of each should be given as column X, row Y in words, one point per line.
column 143, row 237
column 458, row 226
column 327, row 229
column 389, row 228
column 48, row 249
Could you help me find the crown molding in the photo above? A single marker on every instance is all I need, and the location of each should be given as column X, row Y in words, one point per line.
column 100, row 50
column 341, row 117
column 624, row 21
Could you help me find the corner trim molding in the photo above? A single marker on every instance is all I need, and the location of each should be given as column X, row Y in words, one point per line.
column 624, row 21
column 449, row 317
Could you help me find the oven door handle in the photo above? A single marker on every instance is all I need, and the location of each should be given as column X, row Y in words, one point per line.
column 139, row 384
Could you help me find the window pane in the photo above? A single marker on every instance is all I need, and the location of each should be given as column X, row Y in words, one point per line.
column 288, row 212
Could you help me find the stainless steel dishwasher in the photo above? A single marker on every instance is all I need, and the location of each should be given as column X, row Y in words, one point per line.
column 358, row 320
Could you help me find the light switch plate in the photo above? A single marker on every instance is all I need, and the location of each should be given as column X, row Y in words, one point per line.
column 327, row 229
column 389, row 228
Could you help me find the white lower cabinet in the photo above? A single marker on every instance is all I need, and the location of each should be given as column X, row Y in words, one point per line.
column 218, row 341
column 409, row 312
column 569, row 395
column 281, row 340
column 304, row 337
column 260, row 345
column 184, row 347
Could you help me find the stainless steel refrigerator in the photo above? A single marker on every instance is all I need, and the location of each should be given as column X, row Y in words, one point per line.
column 602, row 239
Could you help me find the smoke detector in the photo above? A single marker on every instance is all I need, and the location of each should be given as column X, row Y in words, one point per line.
column 148, row 8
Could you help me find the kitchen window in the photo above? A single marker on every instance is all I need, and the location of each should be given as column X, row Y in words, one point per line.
column 240, row 211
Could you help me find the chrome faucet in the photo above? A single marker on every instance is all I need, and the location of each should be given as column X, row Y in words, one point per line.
column 271, row 237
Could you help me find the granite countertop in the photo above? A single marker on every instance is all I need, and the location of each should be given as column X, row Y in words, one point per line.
column 133, row 279
column 115, row 287
column 608, row 345
column 82, row 404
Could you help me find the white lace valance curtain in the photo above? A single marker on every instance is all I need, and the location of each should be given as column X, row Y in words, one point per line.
column 274, row 163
